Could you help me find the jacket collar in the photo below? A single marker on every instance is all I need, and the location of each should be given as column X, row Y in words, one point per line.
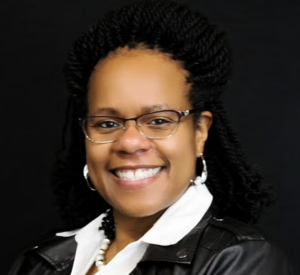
column 58, row 251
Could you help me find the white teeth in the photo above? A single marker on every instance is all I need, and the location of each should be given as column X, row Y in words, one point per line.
column 137, row 174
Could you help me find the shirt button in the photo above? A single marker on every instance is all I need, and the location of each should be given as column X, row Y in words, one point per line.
column 182, row 254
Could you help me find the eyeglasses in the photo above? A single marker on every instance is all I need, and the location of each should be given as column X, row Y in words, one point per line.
column 155, row 125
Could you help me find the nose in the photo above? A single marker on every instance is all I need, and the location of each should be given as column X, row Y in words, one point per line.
column 132, row 140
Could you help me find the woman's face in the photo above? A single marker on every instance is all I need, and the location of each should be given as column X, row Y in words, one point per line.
column 129, row 84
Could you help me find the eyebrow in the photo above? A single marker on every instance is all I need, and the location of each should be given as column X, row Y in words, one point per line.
column 107, row 110
column 144, row 110
column 153, row 108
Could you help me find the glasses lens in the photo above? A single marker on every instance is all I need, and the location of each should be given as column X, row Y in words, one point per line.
column 159, row 124
column 102, row 128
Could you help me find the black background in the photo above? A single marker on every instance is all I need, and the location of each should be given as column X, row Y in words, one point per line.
column 263, row 104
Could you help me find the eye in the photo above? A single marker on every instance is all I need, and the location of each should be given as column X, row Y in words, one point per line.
column 106, row 124
column 159, row 121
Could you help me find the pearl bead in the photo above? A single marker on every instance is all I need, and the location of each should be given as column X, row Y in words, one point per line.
column 101, row 252
column 104, row 246
column 98, row 264
column 106, row 241
column 100, row 258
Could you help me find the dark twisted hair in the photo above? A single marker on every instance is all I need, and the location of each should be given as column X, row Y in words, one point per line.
column 238, row 189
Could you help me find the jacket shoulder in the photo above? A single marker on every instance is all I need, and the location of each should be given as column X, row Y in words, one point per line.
column 220, row 233
column 59, row 251
column 51, row 255
column 231, row 244
column 240, row 230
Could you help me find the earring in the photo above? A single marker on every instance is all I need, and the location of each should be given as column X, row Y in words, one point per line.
column 201, row 180
column 87, row 179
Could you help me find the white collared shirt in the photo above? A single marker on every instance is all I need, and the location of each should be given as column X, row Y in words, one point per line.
column 176, row 222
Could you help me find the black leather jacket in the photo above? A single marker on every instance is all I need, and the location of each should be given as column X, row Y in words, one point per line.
column 213, row 247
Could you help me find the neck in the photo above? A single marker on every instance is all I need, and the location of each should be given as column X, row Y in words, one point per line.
column 130, row 229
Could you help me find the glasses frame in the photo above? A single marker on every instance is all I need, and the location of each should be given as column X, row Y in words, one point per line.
column 181, row 114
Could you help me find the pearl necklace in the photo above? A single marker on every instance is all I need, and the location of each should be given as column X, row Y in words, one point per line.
column 107, row 226
column 100, row 259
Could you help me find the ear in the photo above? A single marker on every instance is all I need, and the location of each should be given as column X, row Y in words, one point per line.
column 202, row 128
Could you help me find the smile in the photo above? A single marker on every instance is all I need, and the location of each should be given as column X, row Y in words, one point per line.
column 137, row 174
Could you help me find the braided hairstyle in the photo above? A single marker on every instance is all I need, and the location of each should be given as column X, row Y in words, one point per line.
column 238, row 188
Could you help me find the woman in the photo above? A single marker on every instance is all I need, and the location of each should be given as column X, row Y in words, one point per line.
column 170, row 191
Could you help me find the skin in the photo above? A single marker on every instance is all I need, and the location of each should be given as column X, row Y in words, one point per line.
column 129, row 81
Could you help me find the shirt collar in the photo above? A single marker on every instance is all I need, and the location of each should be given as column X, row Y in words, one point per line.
column 183, row 216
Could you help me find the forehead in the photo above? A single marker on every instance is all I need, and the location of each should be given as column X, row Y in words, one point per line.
column 134, row 78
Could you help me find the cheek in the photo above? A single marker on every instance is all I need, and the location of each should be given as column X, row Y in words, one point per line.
column 181, row 151
column 96, row 156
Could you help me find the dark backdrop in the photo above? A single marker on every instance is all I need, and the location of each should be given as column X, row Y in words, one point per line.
column 263, row 104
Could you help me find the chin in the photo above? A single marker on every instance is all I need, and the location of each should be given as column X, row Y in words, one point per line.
column 140, row 210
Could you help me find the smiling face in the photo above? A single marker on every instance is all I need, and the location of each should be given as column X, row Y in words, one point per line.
column 138, row 176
